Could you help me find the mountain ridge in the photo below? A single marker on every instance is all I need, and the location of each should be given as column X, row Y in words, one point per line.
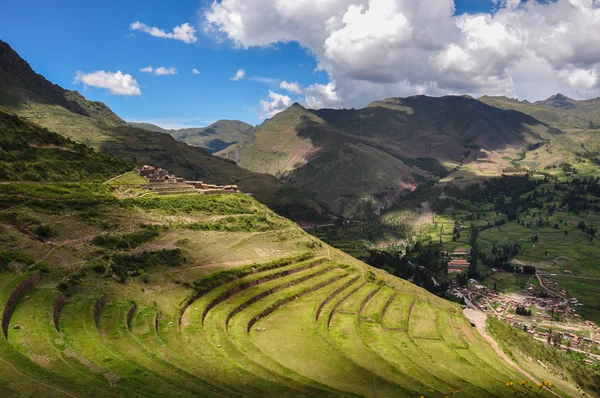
column 214, row 137
column 351, row 157
column 35, row 99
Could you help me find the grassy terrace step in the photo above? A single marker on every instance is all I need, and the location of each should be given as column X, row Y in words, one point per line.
column 113, row 326
column 210, row 287
column 352, row 304
column 309, row 350
column 216, row 332
column 89, row 346
column 17, row 372
column 396, row 317
column 285, row 285
column 39, row 340
column 172, row 349
column 422, row 321
column 266, row 277
column 241, row 325
column 375, row 306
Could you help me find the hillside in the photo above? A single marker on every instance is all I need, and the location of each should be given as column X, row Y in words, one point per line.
column 36, row 100
column 361, row 161
column 213, row 138
column 558, row 110
column 31, row 153
column 214, row 295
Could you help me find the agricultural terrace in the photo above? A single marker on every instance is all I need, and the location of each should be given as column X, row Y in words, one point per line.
column 186, row 296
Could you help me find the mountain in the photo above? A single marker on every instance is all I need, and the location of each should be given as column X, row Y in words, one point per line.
column 31, row 153
column 360, row 161
column 36, row 100
column 558, row 110
column 213, row 138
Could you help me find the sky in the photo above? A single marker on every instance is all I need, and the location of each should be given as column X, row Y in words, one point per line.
column 191, row 62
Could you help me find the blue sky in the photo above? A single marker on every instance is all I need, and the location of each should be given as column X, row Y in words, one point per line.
column 61, row 37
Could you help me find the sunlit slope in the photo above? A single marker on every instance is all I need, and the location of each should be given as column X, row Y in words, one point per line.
column 182, row 296
column 360, row 161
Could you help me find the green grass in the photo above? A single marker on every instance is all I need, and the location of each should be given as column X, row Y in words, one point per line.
column 269, row 275
column 522, row 348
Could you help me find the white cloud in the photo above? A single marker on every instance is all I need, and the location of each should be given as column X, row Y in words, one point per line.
column 277, row 103
column 165, row 71
column 379, row 48
column 116, row 83
column 184, row 32
column 160, row 70
column 238, row 75
column 265, row 80
column 292, row 87
column 195, row 71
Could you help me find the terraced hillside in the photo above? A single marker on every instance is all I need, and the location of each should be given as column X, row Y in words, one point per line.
column 215, row 295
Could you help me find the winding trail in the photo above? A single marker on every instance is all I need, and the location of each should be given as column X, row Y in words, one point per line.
column 479, row 319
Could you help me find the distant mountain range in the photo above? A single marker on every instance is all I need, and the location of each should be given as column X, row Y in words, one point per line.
column 361, row 161
column 357, row 162
column 35, row 100
column 558, row 110
column 213, row 138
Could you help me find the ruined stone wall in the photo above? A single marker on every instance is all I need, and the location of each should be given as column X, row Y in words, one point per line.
column 18, row 292
column 59, row 303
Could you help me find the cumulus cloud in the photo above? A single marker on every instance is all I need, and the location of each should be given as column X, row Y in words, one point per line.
column 239, row 75
column 116, row 83
column 379, row 48
column 184, row 32
column 292, row 87
column 277, row 103
column 160, row 70
column 195, row 71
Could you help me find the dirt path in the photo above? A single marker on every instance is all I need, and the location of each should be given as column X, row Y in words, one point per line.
column 553, row 293
column 479, row 319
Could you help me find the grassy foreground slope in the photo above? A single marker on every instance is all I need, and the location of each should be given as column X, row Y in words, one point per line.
column 212, row 296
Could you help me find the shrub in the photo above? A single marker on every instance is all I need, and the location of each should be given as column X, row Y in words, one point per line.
column 125, row 265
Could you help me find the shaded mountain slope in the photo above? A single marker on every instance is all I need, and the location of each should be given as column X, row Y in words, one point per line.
column 65, row 112
column 213, row 138
column 360, row 160
column 31, row 153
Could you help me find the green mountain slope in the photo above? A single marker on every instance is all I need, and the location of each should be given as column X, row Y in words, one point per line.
column 558, row 110
column 31, row 153
column 35, row 99
column 213, row 138
column 186, row 296
column 361, row 161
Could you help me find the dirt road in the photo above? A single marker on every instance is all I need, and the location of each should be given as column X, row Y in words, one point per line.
column 479, row 319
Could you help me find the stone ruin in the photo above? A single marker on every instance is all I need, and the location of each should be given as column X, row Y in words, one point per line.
column 164, row 183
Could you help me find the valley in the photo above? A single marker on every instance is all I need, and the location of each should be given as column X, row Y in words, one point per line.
column 324, row 252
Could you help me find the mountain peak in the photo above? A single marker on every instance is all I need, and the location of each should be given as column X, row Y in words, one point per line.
column 558, row 101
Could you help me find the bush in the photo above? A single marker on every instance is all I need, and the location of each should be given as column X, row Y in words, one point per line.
column 43, row 232
column 125, row 265
column 126, row 241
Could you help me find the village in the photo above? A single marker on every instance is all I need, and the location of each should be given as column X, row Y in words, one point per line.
column 542, row 309
column 164, row 183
